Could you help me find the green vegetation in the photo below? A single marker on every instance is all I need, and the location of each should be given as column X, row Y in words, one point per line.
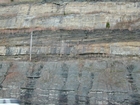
column 107, row 25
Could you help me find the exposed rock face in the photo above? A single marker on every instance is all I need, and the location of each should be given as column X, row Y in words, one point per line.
column 72, row 67
column 50, row 1
column 85, row 82
column 72, row 43
column 76, row 57
column 72, row 15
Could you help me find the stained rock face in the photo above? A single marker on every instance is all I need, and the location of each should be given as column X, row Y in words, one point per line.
column 71, row 15
column 100, row 81
column 73, row 52
column 73, row 43
column 79, row 67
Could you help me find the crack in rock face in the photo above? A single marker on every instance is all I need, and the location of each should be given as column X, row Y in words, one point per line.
column 78, row 82
column 84, row 52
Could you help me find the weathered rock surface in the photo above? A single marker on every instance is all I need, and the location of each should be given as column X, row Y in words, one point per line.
column 51, row 1
column 83, row 53
column 72, row 43
column 76, row 81
column 72, row 15
column 75, row 67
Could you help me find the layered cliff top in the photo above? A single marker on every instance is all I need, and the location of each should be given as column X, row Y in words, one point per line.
column 50, row 1
column 71, row 15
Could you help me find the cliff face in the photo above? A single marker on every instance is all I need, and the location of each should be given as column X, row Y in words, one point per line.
column 102, row 42
column 83, row 53
column 79, row 81
column 72, row 15
column 71, row 67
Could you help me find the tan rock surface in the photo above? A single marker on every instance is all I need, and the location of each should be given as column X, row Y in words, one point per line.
column 72, row 15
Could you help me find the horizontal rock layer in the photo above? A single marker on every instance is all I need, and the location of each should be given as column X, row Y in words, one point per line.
column 72, row 15
column 72, row 42
column 51, row 1
column 88, row 66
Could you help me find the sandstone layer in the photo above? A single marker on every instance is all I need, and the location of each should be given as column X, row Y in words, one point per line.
column 72, row 15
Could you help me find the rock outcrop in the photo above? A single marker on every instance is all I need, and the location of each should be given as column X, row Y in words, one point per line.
column 72, row 43
column 70, row 53
column 72, row 15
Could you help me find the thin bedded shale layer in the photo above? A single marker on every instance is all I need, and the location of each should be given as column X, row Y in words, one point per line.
column 69, row 43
